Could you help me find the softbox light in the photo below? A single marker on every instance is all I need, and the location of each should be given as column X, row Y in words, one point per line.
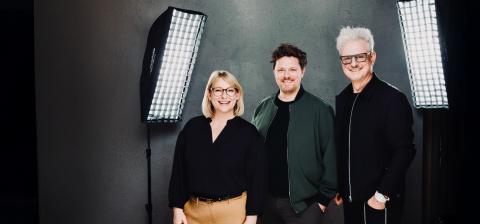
column 418, row 22
column 168, row 62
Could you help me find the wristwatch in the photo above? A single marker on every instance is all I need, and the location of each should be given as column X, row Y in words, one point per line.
column 380, row 197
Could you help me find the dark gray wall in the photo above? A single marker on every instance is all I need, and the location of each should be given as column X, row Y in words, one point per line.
column 88, row 55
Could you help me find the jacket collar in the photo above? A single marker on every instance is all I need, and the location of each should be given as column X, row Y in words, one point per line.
column 367, row 91
column 297, row 97
column 370, row 88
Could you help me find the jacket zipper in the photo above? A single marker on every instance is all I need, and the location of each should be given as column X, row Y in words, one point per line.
column 349, row 152
column 288, row 162
column 288, row 170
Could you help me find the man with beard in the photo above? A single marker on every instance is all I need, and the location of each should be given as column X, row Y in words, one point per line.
column 298, row 131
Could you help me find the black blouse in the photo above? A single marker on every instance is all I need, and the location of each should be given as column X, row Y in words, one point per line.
column 233, row 163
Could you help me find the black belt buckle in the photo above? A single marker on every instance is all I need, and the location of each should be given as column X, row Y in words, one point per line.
column 210, row 200
column 217, row 199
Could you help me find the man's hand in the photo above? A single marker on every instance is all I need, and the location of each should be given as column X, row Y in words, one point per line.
column 372, row 202
column 322, row 207
column 179, row 217
column 251, row 219
column 338, row 200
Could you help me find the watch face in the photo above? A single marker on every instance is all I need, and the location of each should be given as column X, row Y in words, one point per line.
column 380, row 197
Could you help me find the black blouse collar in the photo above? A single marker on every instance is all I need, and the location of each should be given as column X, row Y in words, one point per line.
column 209, row 119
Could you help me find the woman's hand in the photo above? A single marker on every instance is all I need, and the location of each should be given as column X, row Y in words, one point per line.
column 179, row 217
column 251, row 219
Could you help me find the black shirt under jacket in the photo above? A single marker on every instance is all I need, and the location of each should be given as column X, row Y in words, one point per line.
column 233, row 163
column 276, row 145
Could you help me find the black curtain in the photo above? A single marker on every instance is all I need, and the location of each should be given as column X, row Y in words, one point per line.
column 18, row 159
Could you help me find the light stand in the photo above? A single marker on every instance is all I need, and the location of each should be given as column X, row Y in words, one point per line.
column 148, row 153
column 172, row 47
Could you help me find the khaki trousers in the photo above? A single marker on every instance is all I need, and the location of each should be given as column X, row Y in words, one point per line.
column 231, row 211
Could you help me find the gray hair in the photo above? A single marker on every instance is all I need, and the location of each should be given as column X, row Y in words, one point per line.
column 354, row 33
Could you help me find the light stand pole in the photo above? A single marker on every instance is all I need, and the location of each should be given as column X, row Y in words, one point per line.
column 148, row 153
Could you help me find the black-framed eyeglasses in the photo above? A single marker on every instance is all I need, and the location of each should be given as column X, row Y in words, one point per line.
column 347, row 59
column 219, row 91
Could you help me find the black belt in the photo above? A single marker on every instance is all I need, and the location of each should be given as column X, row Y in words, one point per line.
column 216, row 199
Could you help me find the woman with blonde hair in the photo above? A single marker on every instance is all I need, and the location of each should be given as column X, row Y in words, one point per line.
column 219, row 170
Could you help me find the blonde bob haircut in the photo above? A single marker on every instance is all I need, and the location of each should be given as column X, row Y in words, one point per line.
column 207, row 108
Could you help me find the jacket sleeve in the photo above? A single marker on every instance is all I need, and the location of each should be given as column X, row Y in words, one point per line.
column 178, row 191
column 257, row 110
column 256, row 170
column 399, row 140
column 254, row 117
column 328, row 184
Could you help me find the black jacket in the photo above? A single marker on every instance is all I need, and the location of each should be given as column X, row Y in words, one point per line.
column 381, row 141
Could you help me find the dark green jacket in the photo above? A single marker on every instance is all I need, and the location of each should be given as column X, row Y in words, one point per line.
column 310, row 148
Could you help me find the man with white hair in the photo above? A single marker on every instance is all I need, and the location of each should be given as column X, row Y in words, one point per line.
column 373, row 136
